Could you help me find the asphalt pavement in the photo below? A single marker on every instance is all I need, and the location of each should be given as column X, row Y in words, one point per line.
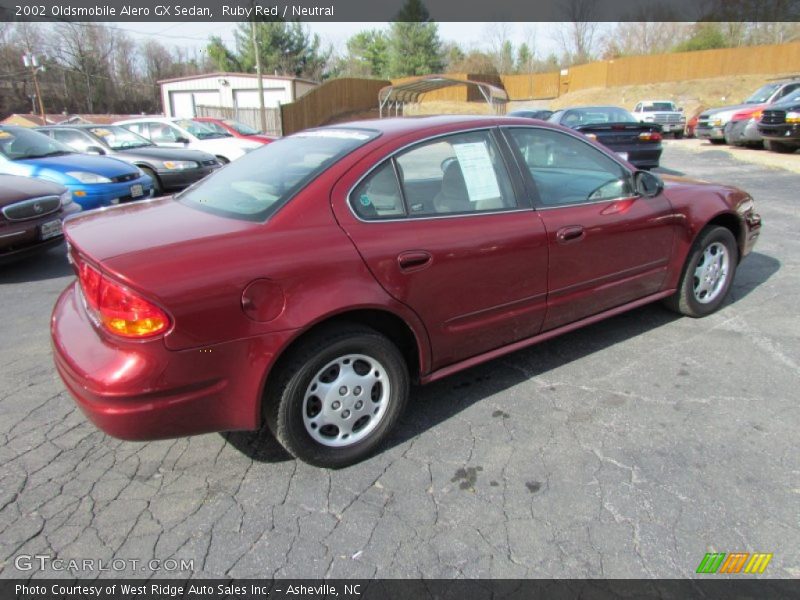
column 628, row 449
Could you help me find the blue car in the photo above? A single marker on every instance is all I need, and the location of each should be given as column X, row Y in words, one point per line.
column 94, row 181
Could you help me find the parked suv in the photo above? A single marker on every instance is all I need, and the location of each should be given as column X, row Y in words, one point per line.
column 780, row 126
column 186, row 133
column 711, row 123
column 171, row 169
column 663, row 112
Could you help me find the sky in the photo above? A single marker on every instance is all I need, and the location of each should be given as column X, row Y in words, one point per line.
column 469, row 35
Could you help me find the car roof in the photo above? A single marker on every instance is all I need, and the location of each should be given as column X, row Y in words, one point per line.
column 398, row 126
column 75, row 126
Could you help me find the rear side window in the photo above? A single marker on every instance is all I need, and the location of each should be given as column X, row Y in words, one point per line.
column 378, row 196
column 456, row 174
column 256, row 185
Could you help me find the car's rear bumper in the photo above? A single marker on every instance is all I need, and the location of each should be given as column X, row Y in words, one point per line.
column 140, row 390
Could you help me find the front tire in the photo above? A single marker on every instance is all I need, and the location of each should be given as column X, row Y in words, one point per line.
column 716, row 141
column 337, row 395
column 677, row 135
column 780, row 147
column 707, row 274
column 158, row 189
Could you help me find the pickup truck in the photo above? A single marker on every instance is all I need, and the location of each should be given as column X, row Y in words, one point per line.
column 664, row 113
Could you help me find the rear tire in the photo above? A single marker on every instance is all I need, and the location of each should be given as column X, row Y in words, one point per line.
column 337, row 395
column 707, row 274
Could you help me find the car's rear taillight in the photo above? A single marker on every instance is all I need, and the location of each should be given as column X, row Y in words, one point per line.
column 117, row 308
column 650, row 136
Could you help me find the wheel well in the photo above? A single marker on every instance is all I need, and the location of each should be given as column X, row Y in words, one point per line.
column 384, row 322
column 732, row 224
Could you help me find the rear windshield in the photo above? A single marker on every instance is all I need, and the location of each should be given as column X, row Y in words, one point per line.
column 256, row 185
column 597, row 115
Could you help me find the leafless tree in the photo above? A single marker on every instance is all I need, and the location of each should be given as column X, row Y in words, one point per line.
column 577, row 36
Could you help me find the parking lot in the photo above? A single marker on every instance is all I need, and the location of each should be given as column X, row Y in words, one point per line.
column 627, row 449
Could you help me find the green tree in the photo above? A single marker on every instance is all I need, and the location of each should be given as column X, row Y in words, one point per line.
column 370, row 51
column 221, row 57
column 524, row 59
column 705, row 37
column 414, row 44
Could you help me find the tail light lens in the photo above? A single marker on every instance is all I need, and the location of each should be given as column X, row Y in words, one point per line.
column 117, row 308
column 650, row 136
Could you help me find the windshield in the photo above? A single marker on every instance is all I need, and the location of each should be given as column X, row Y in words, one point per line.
column 119, row 138
column 19, row 143
column 596, row 115
column 763, row 94
column 656, row 106
column 256, row 185
column 241, row 127
column 199, row 130
column 789, row 98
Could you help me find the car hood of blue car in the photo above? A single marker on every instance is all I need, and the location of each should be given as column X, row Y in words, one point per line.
column 55, row 168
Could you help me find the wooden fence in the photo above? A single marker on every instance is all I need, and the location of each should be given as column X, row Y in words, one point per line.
column 248, row 116
column 331, row 99
column 632, row 70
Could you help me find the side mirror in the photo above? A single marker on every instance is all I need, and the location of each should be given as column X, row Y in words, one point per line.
column 181, row 140
column 95, row 150
column 647, row 184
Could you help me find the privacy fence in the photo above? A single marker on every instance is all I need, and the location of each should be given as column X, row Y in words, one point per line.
column 634, row 70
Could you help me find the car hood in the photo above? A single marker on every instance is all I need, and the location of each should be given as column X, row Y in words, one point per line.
column 153, row 153
column 14, row 189
column 101, row 165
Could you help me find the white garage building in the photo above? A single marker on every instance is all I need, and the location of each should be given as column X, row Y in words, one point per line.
column 181, row 97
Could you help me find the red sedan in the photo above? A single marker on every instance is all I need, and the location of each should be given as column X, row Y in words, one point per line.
column 235, row 129
column 307, row 284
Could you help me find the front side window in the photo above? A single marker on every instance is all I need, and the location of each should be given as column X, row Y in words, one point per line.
column 119, row 138
column 162, row 133
column 75, row 139
column 567, row 170
column 256, row 185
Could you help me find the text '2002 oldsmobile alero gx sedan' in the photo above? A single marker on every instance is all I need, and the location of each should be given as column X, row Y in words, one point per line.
column 308, row 283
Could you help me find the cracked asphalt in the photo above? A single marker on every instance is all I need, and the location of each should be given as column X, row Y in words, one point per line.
column 628, row 449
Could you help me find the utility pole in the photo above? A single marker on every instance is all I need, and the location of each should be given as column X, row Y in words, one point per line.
column 261, row 111
column 32, row 62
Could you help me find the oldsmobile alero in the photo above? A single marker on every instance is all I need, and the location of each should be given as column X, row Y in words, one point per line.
column 307, row 284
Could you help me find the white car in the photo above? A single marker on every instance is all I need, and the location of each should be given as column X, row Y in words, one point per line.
column 186, row 133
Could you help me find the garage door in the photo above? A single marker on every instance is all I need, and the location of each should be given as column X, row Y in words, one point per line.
column 184, row 103
column 249, row 98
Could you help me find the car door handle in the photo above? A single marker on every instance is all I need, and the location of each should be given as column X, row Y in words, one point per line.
column 414, row 260
column 573, row 233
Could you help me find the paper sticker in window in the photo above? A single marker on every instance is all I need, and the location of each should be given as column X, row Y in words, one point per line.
column 476, row 166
